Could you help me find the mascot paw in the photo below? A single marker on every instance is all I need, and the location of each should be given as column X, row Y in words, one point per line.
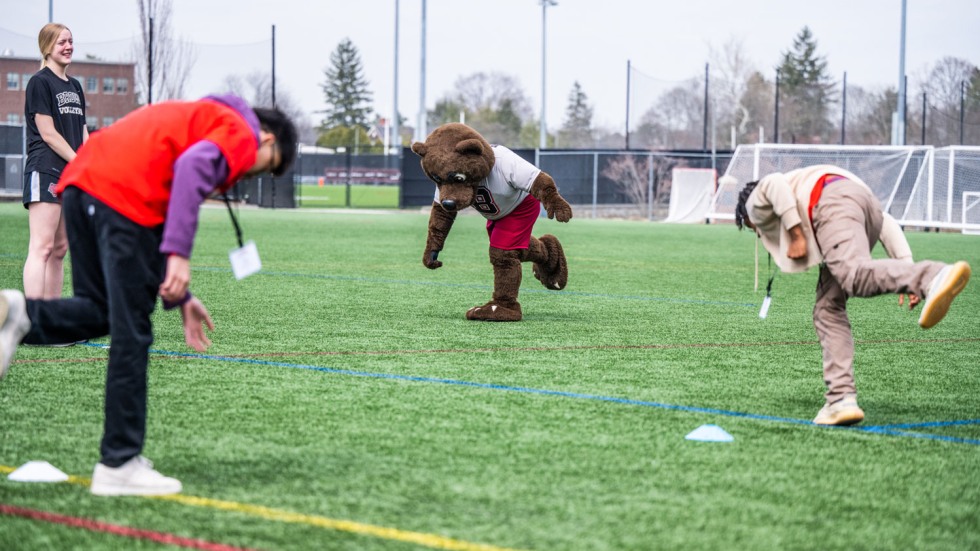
column 554, row 273
column 494, row 311
column 562, row 213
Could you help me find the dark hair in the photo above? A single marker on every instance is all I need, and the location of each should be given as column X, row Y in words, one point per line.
column 741, row 215
column 278, row 124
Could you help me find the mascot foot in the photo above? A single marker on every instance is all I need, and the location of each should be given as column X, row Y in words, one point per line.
column 554, row 274
column 494, row 311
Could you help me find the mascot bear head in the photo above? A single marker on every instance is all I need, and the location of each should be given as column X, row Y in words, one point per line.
column 457, row 158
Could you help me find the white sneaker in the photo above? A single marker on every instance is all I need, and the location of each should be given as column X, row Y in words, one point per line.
column 135, row 477
column 843, row 412
column 944, row 287
column 14, row 324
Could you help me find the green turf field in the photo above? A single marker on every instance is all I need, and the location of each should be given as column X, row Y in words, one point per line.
column 347, row 404
column 338, row 195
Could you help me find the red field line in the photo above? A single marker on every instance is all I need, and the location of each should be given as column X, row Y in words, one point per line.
column 116, row 529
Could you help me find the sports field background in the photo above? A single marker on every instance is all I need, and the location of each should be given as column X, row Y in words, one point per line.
column 341, row 195
column 347, row 404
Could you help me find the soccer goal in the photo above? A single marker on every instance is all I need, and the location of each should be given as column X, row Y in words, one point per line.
column 691, row 191
column 890, row 171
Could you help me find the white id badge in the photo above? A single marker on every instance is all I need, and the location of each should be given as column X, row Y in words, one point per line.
column 765, row 307
column 245, row 260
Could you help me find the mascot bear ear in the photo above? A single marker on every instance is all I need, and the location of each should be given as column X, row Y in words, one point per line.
column 471, row 146
column 419, row 148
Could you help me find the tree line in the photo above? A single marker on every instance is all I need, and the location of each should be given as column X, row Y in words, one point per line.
column 799, row 100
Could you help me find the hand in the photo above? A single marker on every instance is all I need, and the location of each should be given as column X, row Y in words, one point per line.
column 429, row 259
column 914, row 300
column 177, row 279
column 797, row 247
column 559, row 209
column 195, row 317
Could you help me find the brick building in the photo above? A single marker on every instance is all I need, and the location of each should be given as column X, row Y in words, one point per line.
column 108, row 88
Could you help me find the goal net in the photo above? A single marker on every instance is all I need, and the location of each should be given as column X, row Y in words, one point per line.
column 890, row 171
column 691, row 190
column 945, row 194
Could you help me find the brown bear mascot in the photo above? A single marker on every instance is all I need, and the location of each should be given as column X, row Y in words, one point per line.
column 509, row 192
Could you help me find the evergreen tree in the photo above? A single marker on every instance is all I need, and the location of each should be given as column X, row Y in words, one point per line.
column 806, row 91
column 346, row 90
column 576, row 131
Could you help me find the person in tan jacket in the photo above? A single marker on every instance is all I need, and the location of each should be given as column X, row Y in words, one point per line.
column 824, row 215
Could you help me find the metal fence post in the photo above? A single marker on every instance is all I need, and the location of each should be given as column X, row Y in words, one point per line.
column 595, row 185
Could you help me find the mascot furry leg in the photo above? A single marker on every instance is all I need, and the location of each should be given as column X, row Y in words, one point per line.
column 550, row 268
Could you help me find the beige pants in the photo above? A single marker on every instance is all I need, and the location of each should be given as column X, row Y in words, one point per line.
column 847, row 223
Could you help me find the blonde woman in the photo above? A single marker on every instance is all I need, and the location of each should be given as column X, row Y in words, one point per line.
column 55, row 113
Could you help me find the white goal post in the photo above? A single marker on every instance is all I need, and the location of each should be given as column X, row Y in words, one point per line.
column 919, row 186
column 971, row 213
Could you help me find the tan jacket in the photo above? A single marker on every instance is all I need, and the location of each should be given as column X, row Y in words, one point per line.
column 780, row 201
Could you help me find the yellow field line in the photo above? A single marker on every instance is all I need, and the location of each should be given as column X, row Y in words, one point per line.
column 419, row 538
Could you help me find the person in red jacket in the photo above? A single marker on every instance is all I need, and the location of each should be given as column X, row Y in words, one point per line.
column 131, row 199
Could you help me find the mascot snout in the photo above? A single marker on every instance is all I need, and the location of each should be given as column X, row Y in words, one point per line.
column 448, row 204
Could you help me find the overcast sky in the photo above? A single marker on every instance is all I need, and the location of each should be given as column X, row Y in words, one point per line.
column 587, row 41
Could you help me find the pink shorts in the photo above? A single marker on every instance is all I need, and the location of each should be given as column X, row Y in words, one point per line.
column 514, row 230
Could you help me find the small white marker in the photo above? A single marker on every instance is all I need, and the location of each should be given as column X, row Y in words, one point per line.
column 764, row 311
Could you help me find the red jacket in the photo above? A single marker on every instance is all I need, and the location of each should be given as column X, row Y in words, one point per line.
column 129, row 165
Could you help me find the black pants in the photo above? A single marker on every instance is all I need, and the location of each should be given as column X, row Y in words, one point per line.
column 116, row 269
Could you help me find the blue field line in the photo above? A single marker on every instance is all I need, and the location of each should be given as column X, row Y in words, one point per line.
column 883, row 430
column 923, row 435
column 364, row 279
column 932, row 424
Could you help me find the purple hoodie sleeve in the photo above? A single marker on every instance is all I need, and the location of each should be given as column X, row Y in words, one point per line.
column 198, row 171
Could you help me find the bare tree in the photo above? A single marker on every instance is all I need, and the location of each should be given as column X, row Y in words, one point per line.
column 869, row 115
column 676, row 120
column 256, row 88
column 629, row 173
column 951, row 82
column 173, row 58
column 759, row 101
column 731, row 73
column 493, row 103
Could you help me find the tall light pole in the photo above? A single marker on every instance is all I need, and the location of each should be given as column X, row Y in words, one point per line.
column 544, row 15
column 898, row 128
column 421, row 132
column 396, row 138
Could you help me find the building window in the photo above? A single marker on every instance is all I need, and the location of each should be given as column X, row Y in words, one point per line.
column 13, row 81
column 122, row 86
column 24, row 78
column 106, row 121
column 91, row 85
column 108, row 85
column 13, row 118
column 92, row 122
